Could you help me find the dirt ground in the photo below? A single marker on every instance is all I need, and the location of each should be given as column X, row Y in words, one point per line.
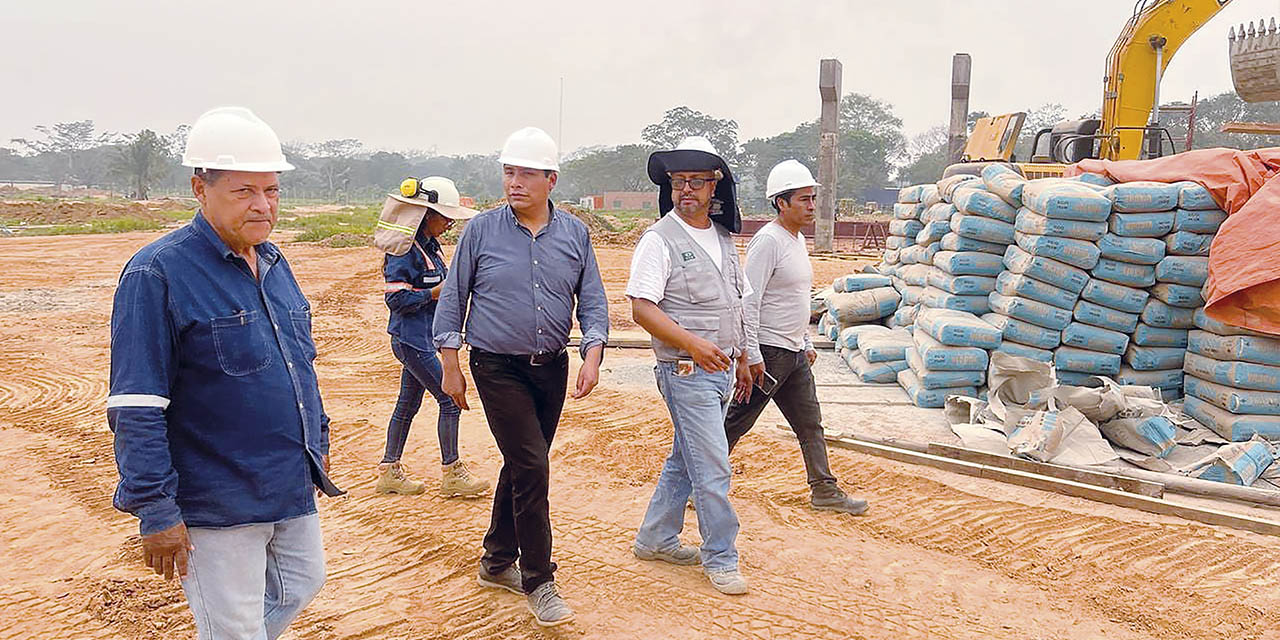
column 937, row 556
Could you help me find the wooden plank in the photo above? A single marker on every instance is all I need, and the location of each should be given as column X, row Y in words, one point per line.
column 1262, row 128
column 1064, row 487
column 1097, row 478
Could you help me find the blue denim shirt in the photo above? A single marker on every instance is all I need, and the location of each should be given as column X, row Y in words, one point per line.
column 521, row 288
column 410, row 278
column 214, row 403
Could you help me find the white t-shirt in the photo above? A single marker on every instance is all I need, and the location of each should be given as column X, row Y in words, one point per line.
column 651, row 262
column 778, row 269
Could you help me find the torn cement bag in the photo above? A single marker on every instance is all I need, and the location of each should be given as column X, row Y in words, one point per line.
column 1237, row 463
column 1153, row 435
column 1041, row 434
column 1097, row 404
column 1017, row 387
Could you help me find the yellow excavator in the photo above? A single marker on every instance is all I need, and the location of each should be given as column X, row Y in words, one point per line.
column 1129, row 124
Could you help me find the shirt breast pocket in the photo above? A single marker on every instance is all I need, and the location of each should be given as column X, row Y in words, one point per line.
column 701, row 281
column 301, row 319
column 243, row 343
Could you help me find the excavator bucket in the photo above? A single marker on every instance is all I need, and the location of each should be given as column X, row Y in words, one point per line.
column 1255, row 61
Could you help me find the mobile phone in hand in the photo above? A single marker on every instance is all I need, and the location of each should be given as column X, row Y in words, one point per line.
column 767, row 383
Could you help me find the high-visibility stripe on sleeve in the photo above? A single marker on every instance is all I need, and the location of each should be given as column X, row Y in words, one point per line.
column 137, row 400
column 399, row 286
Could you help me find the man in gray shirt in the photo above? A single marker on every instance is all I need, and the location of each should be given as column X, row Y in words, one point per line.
column 516, row 275
column 777, row 326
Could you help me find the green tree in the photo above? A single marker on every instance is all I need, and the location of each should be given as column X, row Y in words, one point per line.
column 620, row 168
column 681, row 122
column 143, row 161
column 64, row 147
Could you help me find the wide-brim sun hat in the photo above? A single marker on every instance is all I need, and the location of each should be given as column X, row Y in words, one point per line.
column 696, row 153
column 447, row 199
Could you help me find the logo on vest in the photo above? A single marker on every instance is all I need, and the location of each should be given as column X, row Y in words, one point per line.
column 686, row 256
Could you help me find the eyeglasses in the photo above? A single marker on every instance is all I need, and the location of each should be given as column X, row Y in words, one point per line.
column 695, row 183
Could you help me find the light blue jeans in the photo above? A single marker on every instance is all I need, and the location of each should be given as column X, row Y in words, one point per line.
column 249, row 582
column 699, row 463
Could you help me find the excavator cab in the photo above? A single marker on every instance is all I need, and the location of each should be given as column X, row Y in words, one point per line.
column 1255, row 61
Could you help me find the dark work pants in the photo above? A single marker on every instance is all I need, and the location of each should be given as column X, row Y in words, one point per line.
column 797, row 397
column 522, row 404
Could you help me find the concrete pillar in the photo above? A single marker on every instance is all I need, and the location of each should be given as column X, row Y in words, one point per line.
column 829, row 81
column 956, row 134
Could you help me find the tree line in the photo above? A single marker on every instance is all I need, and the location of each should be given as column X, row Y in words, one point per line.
column 873, row 153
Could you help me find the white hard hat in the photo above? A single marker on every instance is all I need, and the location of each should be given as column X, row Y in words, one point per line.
column 233, row 139
column 531, row 148
column 447, row 201
column 786, row 176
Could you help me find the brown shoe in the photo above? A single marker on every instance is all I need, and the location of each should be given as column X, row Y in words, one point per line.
column 457, row 482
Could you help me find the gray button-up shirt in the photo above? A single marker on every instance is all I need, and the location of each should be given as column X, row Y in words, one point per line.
column 520, row 288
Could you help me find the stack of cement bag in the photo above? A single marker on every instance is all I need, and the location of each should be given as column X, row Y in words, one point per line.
column 867, row 298
column 948, row 356
column 1233, row 380
column 875, row 352
column 974, row 230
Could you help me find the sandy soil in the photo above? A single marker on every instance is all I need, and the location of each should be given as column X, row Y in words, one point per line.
column 938, row 555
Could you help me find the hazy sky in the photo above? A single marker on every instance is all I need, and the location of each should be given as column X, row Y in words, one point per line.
column 460, row 76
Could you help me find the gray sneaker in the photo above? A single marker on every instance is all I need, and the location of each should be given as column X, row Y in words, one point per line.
column 728, row 582
column 549, row 609
column 508, row 579
column 684, row 555
column 831, row 498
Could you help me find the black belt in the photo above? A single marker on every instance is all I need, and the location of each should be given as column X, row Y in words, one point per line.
column 533, row 359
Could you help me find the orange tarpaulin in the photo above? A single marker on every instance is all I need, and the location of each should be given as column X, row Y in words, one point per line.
column 1244, row 260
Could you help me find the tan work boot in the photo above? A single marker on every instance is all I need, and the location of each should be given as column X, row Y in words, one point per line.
column 391, row 479
column 457, row 482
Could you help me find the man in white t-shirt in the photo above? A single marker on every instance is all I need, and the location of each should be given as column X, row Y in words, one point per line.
column 777, row 323
column 686, row 290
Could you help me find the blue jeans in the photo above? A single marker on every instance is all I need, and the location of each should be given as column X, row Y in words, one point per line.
column 421, row 373
column 699, row 463
column 250, row 581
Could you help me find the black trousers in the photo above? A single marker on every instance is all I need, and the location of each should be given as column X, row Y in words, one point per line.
column 797, row 397
column 522, row 403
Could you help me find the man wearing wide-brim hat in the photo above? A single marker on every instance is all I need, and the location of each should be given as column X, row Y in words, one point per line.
column 686, row 290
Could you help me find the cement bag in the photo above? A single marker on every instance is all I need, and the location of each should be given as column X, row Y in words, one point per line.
column 1142, row 225
column 1243, row 348
column 953, row 242
column 1237, row 401
column 859, row 282
column 1084, row 336
column 1004, row 182
column 905, row 228
column 828, row 328
column 939, row 299
column 898, row 242
column 1095, row 179
column 1192, row 195
column 1154, row 358
column 1023, row 332
column 860, row 307
column 1066, row 199
column 1186, row 243
column 1023, row 351
column 1159, row 314
column 818, row 304
column 912, row 296
column 1134, row 250
column 1178, row 295
column 1143, row 196
column 874, row 372
column 848, row 338
column 911, row 254
column 1125, row 273
column 948, row 185
column 1063, row 276
column 1239, row 463
column 1188, row 270
column 1115, row 296
column 1076, row 253
column 1149, row 336
column 980, row 228
column 984, row 203
column 1085, row 361
column 929, row 398
column 1243, row 375
column 1152, row 435
column 917, row 275
column 961, row 285
column 905, row 316
column 1041, row 435
column 1206, row 221
column 971, row 263
column 892, row 256
column 1037, row 313
column 940, row 212
column 1100, row 316
column 1034, row 223
column 932, row 232
column 1076, row 378
column 1203, row 321
column 907, row 211
column 939, row 357
column 958, row 329
column 1017, row 284
column 1160, row 378
column 930, row 379
column 914, row 193
column 1100, row 401
column 885, row 347
column 1231, row 426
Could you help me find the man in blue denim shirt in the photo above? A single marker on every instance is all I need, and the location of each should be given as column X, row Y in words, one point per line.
column 220, row 436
